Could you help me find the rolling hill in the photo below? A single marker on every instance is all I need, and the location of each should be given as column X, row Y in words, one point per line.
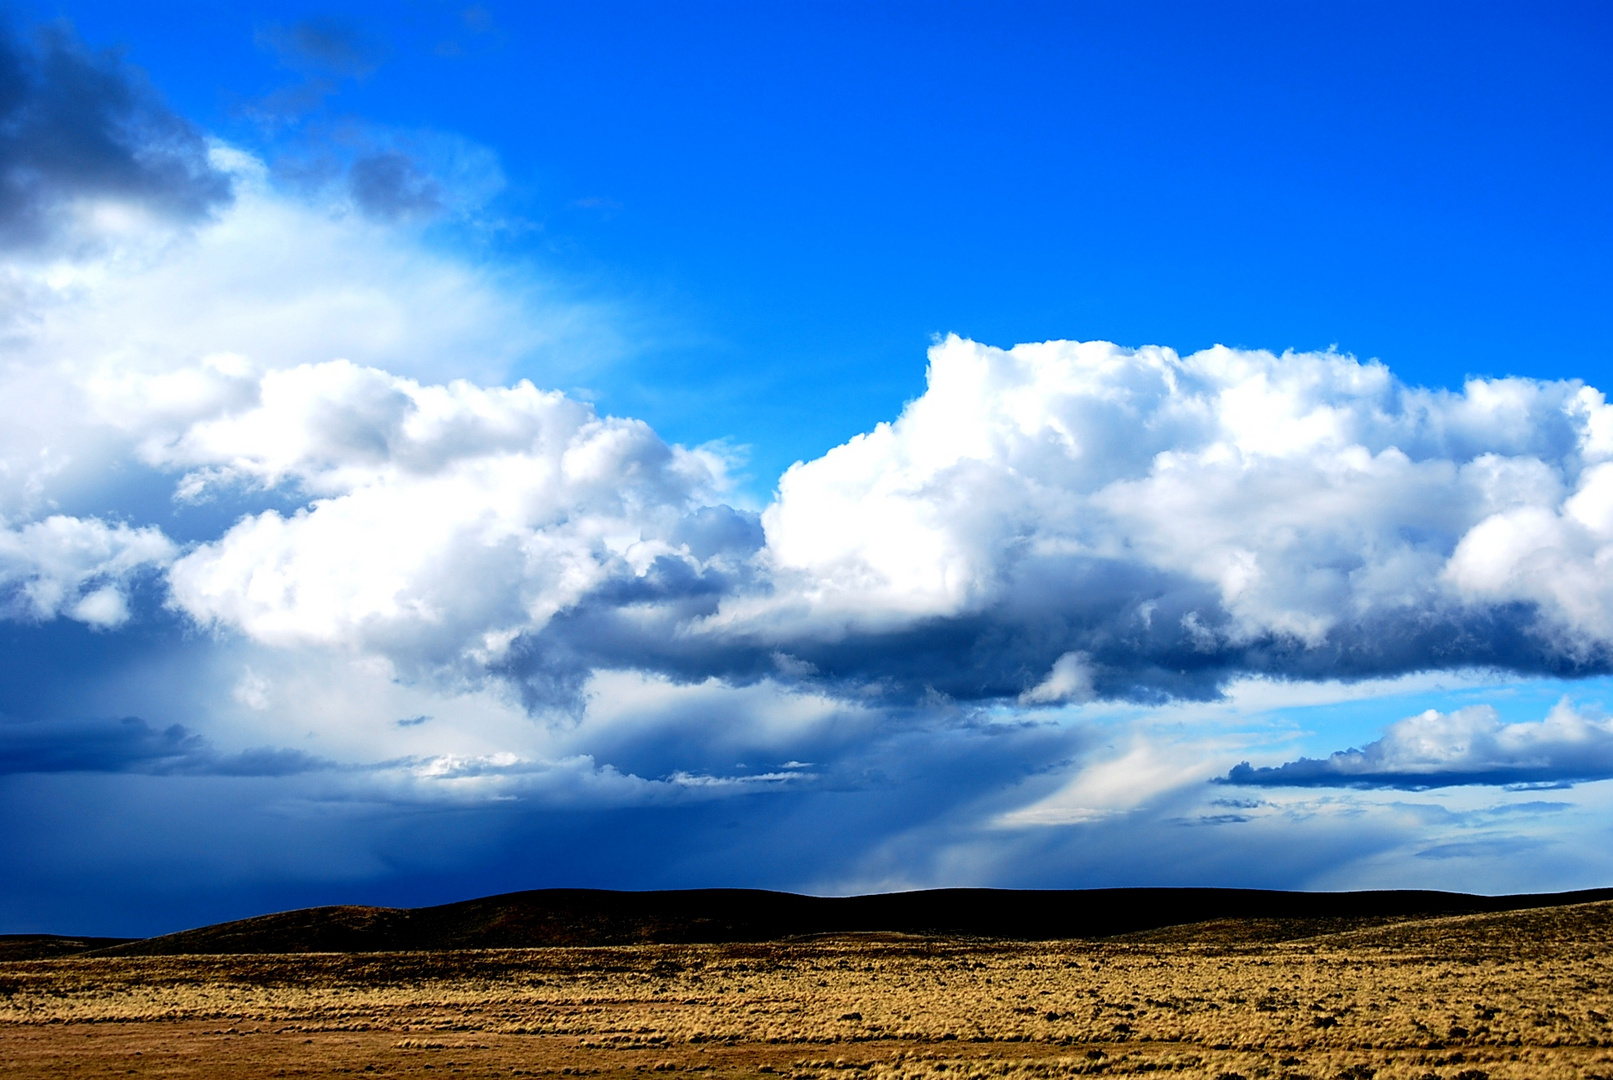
column 588, row 917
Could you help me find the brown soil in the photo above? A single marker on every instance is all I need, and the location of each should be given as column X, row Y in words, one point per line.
column 1524, row 994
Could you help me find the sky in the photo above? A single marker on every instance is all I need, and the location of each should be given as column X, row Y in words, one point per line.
column 447, row 450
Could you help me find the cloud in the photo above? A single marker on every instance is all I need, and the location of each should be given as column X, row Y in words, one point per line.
column 279, row 467
column 1178, row 521
column 82, row 133
column 397, row 175
column 389, row 186
column 1497, row 848
column 576, row 782
column 131, row 745
column 287, row 422
column 112, row 354
column 79, row 568
column 325, row 52
column 393, row 176
column 446, row 519
column 332, row 46
column 1070, row 680
column 1051, row 524
column 1468, row 746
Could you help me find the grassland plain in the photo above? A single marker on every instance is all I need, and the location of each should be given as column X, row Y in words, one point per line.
column 1519, row 995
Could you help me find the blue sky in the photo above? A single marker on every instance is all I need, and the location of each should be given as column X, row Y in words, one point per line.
column 790, row 200
column 273, row 488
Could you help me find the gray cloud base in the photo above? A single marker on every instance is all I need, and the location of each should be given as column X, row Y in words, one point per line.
column 79, row 125
column 1048, row 610
column 132, row 745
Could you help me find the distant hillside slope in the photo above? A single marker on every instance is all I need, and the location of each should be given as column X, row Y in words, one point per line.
column 573, row 917
column 50, row 946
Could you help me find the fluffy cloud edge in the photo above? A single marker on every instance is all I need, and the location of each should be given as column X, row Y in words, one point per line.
column 1471, row 746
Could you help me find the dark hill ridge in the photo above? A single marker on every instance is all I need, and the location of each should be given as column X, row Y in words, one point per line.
column 50, row 946
column 582, row 917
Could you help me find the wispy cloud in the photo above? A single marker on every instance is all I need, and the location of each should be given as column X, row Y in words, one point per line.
column 326, row 45
column 131, row 745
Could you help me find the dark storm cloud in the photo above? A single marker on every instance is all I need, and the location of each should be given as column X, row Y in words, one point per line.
column 1145, row 636
column 389, row 186
column 1326, row 772
column 131, row 745
column 76, row 124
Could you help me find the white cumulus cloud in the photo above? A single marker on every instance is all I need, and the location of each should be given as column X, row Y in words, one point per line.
column 448, row 519
column 1467, row 746
column 1301, row 514
column 115, row 347
column 1049, row 524
column 77, row 567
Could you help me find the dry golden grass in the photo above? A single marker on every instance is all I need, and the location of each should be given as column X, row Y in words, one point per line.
column 1521, row 995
